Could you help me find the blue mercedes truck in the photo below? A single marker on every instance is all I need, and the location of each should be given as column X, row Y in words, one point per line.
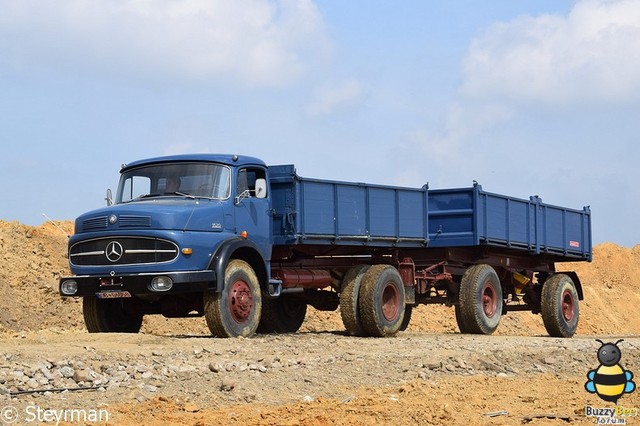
column 250, row 247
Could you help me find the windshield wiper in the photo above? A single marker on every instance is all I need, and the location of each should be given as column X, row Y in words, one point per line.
column 140, row 197
column 182, row 194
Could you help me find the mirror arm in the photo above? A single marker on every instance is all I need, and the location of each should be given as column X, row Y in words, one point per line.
column 244, row 194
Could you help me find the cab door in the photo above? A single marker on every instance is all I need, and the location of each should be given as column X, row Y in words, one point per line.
column 252, row 204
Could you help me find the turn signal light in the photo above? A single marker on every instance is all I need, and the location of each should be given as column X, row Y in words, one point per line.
column 244, row 234
column 187, row 251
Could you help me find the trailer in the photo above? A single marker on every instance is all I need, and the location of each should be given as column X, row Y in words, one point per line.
column 249, row 247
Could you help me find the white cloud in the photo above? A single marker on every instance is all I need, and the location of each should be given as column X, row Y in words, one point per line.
column 588, row 58
column 335, row 96
column 255, row 42
column 538, row 98
column 590, row 55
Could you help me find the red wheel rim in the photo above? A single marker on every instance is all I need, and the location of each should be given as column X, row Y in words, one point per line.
column 240, row 301
column 489, row 299
column 390, row 302
column 568, row 306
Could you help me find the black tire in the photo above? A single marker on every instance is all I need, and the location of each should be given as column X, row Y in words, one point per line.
column 460, row 321
column 110, row 315
column 559, row 306
column 381, row 301
column 282, row 315
column 349, row 292
column 480, row 300
column 235, row 311
column 408, row 310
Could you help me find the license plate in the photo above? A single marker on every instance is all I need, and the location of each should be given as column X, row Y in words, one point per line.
column 113, row 294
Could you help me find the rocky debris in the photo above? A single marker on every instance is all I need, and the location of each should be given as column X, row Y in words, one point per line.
column 291, row 367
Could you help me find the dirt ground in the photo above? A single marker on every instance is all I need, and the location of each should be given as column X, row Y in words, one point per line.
column 173, row 373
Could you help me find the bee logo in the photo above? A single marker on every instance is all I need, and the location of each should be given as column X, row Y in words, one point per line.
column 609, row 381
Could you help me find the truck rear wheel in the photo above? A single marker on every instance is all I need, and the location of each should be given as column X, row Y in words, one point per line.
column 381, row 301
column 110, row 316
column 282, row 315
column 349, row 300
column 235, row 311
column 559, row 306
column 480, row 300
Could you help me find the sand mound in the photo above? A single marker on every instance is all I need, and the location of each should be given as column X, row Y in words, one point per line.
column 33, row 258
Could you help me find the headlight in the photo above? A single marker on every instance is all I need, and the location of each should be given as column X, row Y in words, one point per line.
column 160, row 284
column 69, row 287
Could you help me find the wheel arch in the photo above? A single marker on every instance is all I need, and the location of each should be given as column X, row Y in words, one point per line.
column 243, row 249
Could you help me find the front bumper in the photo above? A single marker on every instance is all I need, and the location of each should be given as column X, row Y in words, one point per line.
column 183, row 282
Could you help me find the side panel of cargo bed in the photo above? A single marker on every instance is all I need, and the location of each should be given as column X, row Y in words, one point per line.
column 313, row 211
column 471, row 216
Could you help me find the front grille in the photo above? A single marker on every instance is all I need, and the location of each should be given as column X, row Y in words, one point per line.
column 122, row 251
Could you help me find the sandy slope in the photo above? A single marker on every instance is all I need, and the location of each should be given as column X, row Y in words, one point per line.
column 427, row 375
column 32, row 258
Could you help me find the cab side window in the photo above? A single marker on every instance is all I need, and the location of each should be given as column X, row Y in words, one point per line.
column 247, row 180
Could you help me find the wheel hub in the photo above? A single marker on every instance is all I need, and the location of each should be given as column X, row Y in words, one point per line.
column 240, row 301
column 390, row 302
column 489, row 299
column 568, row 306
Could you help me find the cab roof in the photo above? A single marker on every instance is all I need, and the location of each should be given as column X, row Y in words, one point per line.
column 228, row 159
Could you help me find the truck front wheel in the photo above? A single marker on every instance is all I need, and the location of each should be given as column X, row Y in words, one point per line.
column 381, row 301
column 480, row 300
column 559, row 306
column 110, row 315
column 235, row 311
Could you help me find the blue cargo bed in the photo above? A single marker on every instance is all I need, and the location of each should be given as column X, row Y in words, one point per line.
column 314, row 211
column 471, row 217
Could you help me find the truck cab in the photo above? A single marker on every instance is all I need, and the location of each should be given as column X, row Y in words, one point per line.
column 164, row 245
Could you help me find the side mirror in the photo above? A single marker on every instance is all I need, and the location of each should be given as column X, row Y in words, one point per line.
column 109, row 198
column 261, row 188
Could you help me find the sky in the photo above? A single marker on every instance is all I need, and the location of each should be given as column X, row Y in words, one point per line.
column 528, row 97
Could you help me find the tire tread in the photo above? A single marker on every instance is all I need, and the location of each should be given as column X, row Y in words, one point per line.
column 349, row 295
column 550, row 306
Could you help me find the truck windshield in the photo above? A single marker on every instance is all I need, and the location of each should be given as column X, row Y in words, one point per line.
column 204, row 180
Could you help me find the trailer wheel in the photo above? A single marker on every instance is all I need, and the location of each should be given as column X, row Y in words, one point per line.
column 282, row 315
column 349, row 292
column 480, row 300
column 235, row 311
column 460, row 320
column 408, row 310
column 559, row 306
column 381, row 301
column 109, row 316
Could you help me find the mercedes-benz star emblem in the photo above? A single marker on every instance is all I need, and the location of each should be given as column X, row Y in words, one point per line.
column 114, row 251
